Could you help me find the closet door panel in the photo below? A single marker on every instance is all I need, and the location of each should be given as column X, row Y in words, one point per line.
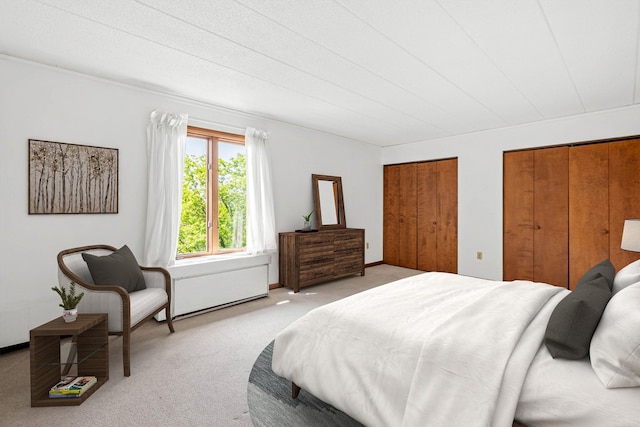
column 551, row 216
column 588, row 208
column 518, row 215
column 391, row 220
column 427, row 216
column 408, row 237
column 447, row 216
column 400, row 235
column 624, row 196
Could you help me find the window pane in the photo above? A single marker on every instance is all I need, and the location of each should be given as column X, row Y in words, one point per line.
column 193, row 221
column 231, row 195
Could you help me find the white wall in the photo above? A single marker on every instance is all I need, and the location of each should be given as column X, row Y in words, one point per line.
column 480, row 174
column 45, row 103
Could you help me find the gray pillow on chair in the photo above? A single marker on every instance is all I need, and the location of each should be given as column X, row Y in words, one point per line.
column 119, row 268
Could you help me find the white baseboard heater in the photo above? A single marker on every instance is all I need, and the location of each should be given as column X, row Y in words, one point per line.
column 199, row 286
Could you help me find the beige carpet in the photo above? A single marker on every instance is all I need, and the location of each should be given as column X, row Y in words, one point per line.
column 195, row 377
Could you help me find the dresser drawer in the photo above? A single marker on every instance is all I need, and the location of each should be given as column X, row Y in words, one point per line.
column 346, row 264
column 351, row 244
column 314, row 260
column 350, row 235
column 349, row 250
column 318, row 248
column 313, row 239
column 315, row 275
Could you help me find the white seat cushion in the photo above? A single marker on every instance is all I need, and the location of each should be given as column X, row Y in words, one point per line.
column 145, row 302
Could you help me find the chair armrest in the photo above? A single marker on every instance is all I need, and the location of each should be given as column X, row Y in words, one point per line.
column 157, row 277
column 110, row 299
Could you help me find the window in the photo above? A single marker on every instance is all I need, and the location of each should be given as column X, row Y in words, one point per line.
column 213, row 194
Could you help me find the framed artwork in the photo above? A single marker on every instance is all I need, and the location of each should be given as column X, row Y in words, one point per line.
column 72, row 179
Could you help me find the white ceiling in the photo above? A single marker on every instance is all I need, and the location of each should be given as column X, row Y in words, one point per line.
column 385, row 72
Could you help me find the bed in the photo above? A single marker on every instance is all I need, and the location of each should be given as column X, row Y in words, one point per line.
column 441, row 349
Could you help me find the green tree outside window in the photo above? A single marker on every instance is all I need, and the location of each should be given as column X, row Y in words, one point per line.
column 231, row 205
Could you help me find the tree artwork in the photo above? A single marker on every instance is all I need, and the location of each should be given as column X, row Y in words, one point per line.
column 72, row 179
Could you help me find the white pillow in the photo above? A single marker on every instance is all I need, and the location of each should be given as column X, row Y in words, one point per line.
column 615, row 346
column 626, row 276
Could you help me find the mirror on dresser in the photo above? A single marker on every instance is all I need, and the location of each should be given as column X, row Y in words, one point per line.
column 328, row 201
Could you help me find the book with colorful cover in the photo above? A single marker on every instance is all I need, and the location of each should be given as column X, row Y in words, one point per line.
column 64, row 396
column 72, row 386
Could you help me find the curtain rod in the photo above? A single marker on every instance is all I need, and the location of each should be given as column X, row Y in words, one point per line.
column 216, row 126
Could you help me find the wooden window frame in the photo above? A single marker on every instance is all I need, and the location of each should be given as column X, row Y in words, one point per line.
column 213, row 137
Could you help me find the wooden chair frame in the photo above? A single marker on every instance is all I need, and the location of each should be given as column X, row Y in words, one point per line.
column 127, row 328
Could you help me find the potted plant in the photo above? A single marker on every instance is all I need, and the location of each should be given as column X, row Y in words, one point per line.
column 69, row 301
column 307, row 221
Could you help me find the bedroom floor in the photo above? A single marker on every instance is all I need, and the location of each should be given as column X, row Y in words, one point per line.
column 197, row 376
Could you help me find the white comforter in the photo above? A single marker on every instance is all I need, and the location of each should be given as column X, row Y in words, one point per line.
column 435, row 349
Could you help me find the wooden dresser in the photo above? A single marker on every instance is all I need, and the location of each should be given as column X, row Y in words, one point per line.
column 316, row 257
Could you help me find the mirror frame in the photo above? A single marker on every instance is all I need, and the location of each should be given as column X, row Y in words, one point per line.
column 342, row 222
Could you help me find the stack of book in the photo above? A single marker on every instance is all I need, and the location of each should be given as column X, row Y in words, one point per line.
column 72, row 387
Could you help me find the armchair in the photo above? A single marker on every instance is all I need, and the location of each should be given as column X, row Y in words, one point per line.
column 127, row 311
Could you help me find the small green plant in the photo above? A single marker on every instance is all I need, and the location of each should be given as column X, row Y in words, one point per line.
column 69, row 300
column 308, row 216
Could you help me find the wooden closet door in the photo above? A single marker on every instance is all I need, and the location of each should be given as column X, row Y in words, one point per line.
column 438, row 215
column 399, row 228
column 588, row 208
column 551, row 216
column 518, row 215
column 624, row 196
column 447, row 219
column 427, row 201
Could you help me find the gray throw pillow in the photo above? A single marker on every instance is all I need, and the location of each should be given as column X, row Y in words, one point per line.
column 575, row 318
column 604, row 268
column 119, row 268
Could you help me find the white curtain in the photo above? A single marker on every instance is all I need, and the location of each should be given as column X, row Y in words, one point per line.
column 166, row 139
column 261, row 222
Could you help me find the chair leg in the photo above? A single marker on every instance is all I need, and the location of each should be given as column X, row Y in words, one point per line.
column 126, row 352
column 169, row 320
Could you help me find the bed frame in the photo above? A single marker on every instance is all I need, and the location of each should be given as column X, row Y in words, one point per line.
column 295, row 391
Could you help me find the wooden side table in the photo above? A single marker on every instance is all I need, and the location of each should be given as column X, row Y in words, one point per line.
column 92, row 341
